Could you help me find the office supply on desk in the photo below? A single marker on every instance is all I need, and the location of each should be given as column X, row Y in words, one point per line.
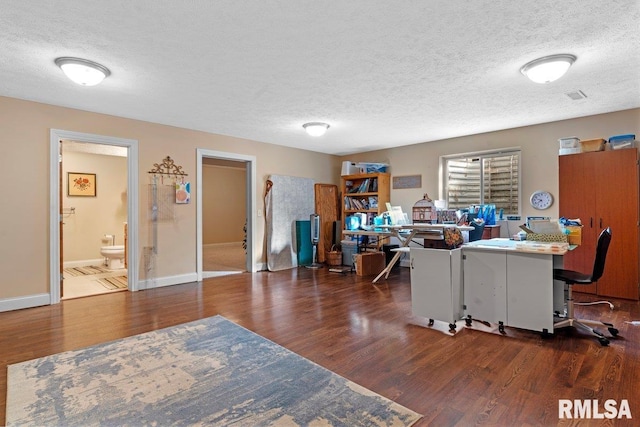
column 544, row 226
column 404, row 233
column 571, row 278
column 396, row 215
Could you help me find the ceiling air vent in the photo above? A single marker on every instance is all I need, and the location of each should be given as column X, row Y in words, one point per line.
column 576, row 95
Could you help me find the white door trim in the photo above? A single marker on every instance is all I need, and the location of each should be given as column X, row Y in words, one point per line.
column 56, row 135
column 252, row 216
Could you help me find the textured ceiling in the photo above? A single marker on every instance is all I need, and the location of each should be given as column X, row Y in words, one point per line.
column 382, row 73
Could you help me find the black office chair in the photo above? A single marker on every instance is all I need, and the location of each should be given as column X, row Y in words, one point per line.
column 570, row 278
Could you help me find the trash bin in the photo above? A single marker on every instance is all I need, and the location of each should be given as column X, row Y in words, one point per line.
column 349, row 249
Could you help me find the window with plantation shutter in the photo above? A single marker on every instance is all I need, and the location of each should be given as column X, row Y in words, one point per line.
column 481, row 179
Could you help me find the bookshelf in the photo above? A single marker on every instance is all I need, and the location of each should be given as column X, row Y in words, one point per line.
column 364, row 193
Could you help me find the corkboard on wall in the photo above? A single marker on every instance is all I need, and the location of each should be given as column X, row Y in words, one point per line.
column 409, row 181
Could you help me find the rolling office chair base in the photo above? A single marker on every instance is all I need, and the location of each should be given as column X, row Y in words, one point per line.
column 586, row 325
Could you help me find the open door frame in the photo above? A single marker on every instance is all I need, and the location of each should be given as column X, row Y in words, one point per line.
column 56, row 135
column 252, row 217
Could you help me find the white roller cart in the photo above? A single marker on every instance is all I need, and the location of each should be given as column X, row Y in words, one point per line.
column 436, row 285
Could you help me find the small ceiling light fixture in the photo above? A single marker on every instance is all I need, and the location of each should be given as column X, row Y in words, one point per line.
column 83, row 71
column 315, row 128
column 548, row 68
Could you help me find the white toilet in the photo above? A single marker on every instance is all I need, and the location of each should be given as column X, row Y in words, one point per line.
column 114, row 256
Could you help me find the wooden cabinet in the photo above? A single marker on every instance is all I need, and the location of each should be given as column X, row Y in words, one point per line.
column 601, row 188
column 364, row 193
column 328, row 207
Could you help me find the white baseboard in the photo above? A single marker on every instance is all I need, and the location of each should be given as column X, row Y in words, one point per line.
column 28, row 301
column 221, row 245
column 210, row 274
column 83, row 263
column 37, row 300
column 167, row 281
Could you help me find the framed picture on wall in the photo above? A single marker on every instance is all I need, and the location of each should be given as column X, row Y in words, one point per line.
column 81, row 184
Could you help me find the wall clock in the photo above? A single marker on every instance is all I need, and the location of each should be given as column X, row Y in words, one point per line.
column 541, row 199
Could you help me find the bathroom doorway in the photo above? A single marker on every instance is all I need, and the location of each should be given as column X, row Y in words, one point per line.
column 226, row 214
column 94, row 225
column 96, row 204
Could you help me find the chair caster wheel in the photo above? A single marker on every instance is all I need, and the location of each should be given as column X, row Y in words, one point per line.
column 468, row 320
column 613, row 332
column 501, row 328
column 452, row 327
column 603, row 341
column 430, row 322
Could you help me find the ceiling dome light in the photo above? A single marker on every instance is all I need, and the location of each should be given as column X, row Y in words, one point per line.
column 548, row 68
column 315, row 128
column 83, row 71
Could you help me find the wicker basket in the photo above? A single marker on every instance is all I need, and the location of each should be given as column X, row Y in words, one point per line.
column 334, row 257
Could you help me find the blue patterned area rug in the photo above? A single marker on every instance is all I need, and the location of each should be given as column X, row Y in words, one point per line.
column 207, row 372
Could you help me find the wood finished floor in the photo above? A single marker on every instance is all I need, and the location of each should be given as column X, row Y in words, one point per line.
column 367, row 334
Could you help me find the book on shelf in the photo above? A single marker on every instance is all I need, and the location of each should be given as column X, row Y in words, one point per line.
column 368, row 185
column 354, row 203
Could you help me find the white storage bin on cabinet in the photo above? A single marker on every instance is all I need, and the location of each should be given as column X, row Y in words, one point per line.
column 436, row 285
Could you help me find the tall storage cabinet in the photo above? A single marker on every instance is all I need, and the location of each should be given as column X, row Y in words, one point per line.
column 602, row 189
column 364, row 193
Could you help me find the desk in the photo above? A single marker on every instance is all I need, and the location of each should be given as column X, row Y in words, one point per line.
column 502, row 281
column 404, row 233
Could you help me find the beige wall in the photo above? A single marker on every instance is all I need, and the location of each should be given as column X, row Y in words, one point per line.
column 223, row 206
column 94, row 216
column 25, row 176
column 539, row 146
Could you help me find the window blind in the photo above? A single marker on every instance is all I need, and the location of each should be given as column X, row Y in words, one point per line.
column 484, row 179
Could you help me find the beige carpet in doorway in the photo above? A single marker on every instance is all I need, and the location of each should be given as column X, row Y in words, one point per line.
column 224, row 257
column 85, row 271
column 117, row 282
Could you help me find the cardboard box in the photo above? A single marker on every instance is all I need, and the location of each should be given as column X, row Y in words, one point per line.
column 575, row 234
column 369, row 263
column 592, row 145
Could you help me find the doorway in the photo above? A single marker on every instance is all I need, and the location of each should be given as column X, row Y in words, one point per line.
column 94, row 219
column 58, row 180
column 245, row 165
